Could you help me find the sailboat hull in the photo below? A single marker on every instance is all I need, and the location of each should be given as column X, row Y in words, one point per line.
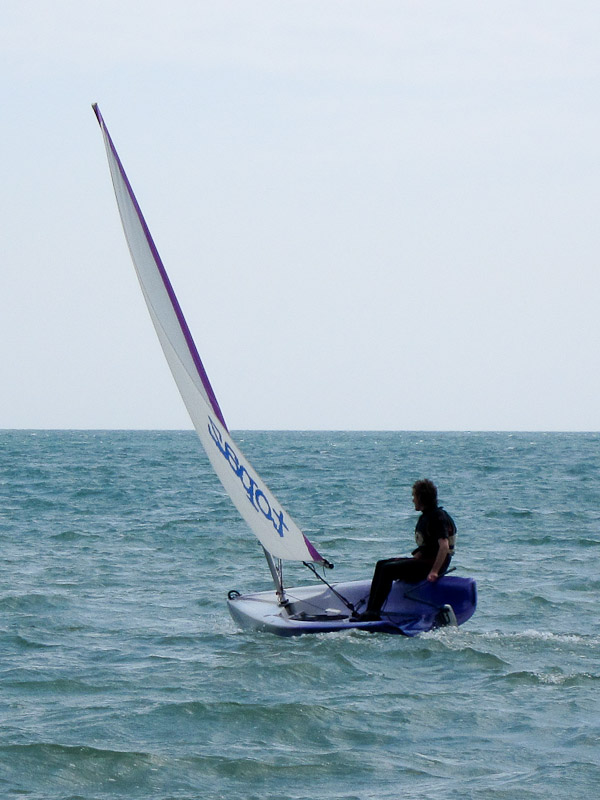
column 410, row 609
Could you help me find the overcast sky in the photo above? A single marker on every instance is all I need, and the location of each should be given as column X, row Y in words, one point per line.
column 376, row 215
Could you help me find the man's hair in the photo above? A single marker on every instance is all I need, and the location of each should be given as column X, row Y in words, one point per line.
column 426, row 492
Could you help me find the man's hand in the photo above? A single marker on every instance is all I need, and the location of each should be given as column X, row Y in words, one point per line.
column 442, row 553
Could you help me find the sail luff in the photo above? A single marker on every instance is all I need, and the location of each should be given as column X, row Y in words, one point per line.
column 165, row 278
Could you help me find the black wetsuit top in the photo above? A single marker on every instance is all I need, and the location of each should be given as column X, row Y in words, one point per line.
column 434, row 524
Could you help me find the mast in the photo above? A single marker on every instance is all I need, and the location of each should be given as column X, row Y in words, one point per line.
column 277, row 574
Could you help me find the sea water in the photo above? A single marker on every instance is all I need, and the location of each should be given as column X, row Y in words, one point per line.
column 123, row 676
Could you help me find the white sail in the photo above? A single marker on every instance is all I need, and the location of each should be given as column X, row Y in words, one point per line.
column 276, row 531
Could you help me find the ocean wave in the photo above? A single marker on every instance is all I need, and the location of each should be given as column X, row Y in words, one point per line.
column 532, row 634
column 65, row 770
column 473, row 655
column 225, row 713
column 22, row 641
column 586, row 542
column 49, row 752
column 33, row 602
column 554, row 677
column 44, row 685
column 536, row 635
column 69, row 536
column 510, row 512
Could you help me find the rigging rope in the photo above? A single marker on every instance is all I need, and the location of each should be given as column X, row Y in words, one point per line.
column 346, row 602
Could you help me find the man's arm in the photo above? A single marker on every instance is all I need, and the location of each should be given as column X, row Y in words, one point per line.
column 442, row 554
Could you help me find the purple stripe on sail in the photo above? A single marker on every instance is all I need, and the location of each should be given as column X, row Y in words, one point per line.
column 165, row 278
column 314, row 554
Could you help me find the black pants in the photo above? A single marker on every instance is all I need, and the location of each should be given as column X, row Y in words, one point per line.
column 410, row 570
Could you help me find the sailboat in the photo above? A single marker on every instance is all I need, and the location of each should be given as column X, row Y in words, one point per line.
column 321, row 607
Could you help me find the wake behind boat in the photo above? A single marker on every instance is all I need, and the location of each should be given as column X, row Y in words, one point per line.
column 317, row 608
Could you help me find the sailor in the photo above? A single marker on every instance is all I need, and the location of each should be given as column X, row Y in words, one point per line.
column 435, row 535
